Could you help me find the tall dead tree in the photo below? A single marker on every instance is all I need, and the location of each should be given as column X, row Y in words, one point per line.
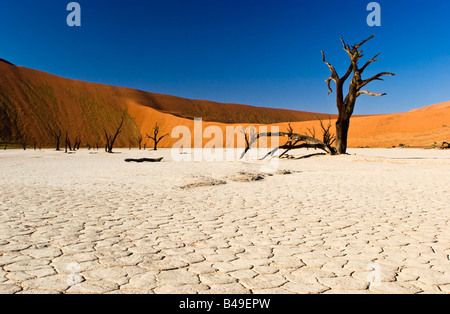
column 110, row 139
column 346, row 105
column 155, row 136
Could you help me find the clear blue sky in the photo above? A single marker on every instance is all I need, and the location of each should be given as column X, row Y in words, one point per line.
column 255, row 52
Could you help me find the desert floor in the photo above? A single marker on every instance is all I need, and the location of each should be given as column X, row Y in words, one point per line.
column 375, row 221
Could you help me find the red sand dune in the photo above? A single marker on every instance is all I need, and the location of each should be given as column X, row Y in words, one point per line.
column 31, row 100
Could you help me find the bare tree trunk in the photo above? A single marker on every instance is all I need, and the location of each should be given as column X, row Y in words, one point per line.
column 342, row 127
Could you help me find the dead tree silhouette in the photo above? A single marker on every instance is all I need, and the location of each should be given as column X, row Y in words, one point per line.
column 110, row 139
column 346, row 105
column 155, row 137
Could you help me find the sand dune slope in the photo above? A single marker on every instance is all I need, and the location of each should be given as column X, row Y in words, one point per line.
column 31, row 101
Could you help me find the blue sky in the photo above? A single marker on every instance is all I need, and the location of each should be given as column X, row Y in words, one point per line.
column 255, row 52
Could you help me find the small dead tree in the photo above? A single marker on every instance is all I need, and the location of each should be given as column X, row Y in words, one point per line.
column 248, row 136
column 77, row 143
column 56, row 133
column 346, row 105
column 67, row 143
column 110, row 139
column 155, row 136
column 139, row 140
column 24, row 138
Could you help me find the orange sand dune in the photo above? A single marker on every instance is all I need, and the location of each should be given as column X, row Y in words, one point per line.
column 433, row 107
column 31, row 100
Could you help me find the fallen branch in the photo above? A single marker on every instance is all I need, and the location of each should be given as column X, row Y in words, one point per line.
column 145, row 160
column 294, row 139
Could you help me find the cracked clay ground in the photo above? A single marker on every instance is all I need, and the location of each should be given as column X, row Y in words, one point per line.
column 375, row 222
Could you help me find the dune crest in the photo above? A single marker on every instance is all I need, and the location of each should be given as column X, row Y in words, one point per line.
column 433, row 107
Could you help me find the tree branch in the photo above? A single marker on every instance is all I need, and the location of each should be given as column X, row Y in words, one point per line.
column 369, row 93
column 349, row 71
column 364, row 41
column 368, row 63
column 334, row 75
column 373, row 78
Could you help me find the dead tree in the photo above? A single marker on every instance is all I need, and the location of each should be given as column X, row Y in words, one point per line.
column 248, row 136
column 328, row 138
column 24, row 138
column 110, row 139
column 67, row 143
column 296, row 141
column 139, row 140
column 346, row 105
column 77, row 143
column 56, row 133
column 155, row 137
column 292, row 143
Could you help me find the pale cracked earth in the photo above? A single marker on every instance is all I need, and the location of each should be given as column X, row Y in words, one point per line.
column 374, row 222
